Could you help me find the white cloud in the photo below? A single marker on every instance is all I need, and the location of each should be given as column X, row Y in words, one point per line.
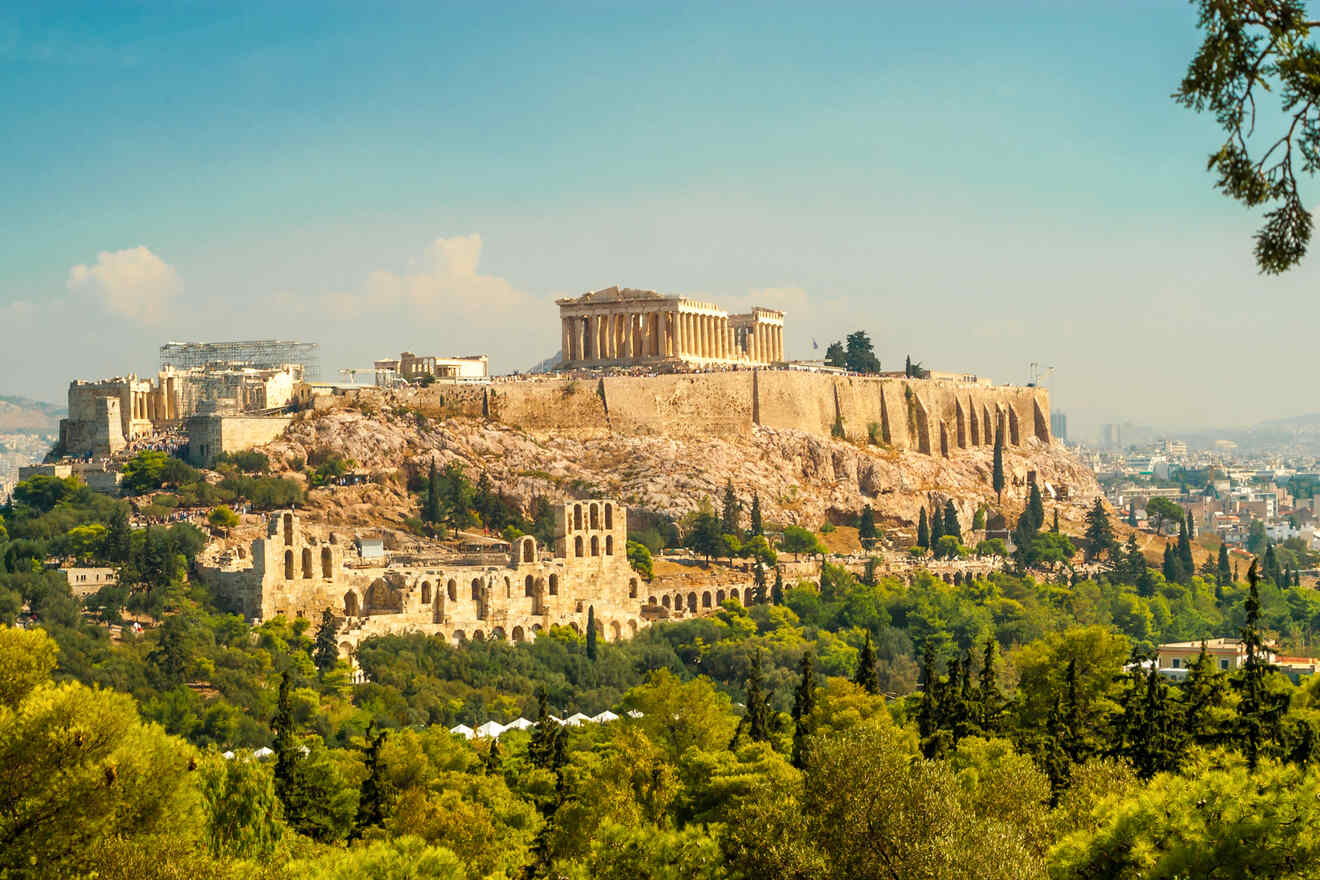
column 132, row 283
column 447, row 280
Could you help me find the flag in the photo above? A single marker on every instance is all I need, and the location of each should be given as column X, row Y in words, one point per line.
column 813, row 343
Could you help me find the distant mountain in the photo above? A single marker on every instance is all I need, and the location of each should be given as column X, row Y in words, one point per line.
column 21, row 414
column 548, row 364
column 1306, row 421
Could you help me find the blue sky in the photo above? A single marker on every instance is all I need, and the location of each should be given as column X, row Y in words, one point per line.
column 982, row 186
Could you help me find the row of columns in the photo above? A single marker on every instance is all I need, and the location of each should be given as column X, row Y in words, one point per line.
column 665, row 334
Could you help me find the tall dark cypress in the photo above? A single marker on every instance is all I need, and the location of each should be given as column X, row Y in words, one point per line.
column 804, row 703
column 866, row 675
column 1259, row 712
column 1036, row 505
column 936, row 526
column 777, row 591
column 547, row 748
column 729, row 515
column 927, row 717
column 758, row 580
column 1185, row 561
column 433, row 509
column 591, row 632
column 866, row 527
column 325, row 650
column 373, row 794
column 989, row 700
column 1172, row 571
column 1074, row 738
column 757, row 527
column 923, row 531
column 1055, row 528
column 997, row 472
column 1271, row 571
column 1202, row 693
column 951, row 524
column 1224, row 574
column 757, row 720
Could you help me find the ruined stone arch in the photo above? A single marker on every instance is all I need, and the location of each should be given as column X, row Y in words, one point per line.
column 459, row 637
column 577, row 519
column 307, row 563
column 632, row 627
column 380, row 599
column 345, row 649
column 577, row 546
column 1042, row 423
column 692, row 601
column 476, row 589
column 351, row 606
column 529, row 587
column 609, row 545
column 327, row 564
column 497, row 634
column 288, row 530
column 573, row 625
column 650, row 600
column 733, row 594
column 426, row 592
column 517, row 635
column 478, row 636
column 595, row 545
column 453, row 590
column 527, row 548
column 719, row 597
column 664, row 601
column 615, row 631
column 944, row 439
column 288, row 565
column 536, row 628
column 609, row 515
column 632, row 588
column 594, row 515
column 554, row 585
column 705, row 599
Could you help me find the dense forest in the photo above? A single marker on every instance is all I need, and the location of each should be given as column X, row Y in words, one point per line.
column 1001, row 726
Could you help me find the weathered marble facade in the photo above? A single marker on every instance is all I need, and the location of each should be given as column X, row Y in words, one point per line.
column 625, row 327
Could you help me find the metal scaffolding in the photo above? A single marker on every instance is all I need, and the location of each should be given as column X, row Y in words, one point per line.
column 262, row 354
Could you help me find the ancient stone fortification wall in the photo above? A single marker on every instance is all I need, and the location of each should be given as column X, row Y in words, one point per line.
column 931, row 416
column 208, row 436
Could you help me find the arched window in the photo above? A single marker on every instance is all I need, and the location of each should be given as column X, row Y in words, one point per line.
column 529, row 587
column 307, row 562
column 632, row 588
column 350, row 604
column 719, row 597
column 609, row 545
column 453, row 590
column 288, row 565
column 733, row 594
column 529, row 549
column 609, row 515
column 327, row 565
column 517, row 634
column 595, row 515
column 595, row 546
column 426, row 592
column 692, row 602
column 705, row 599
column 554, row 585
column 650, row 600
column 615, row 631
column 664, row 601
column 577, row 546
column 288, row 529
column 476, row 588
column 459, row 637
column 577, row 519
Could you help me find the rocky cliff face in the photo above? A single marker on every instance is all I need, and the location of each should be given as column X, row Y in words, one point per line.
column 801, row 478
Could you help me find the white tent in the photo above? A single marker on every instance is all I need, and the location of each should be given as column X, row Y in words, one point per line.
column 604, row 717
column 519, row 724
column 633, row 713
column 576, row 719
column 228, row 756
column 492, row 729
column 263, row 752
column 556, row 719
column 463, row 730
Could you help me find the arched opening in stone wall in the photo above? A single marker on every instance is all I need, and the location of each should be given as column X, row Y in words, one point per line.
column 609, row 515
column 577, row 546
column 538, row 596
column 517, row 635
column 595, row 546
column 327, row 564
column 664, row 601
column 595, row 515
column 536, row 628
column 478, row 636
column 497, row 634
column 632, row 627
column 705, row 599
column 288, row 565
column 650, row 600
column 529, row 587
column 615, row 631
column 632, row 588
column 453, row 590
column 609, row 545
column 719, row 597
column 692, row 601
column 577, row 519
column 554, row 585
column 476, row 589
column 733, row 594
column 528, row 549
column 426, row 592
column 351, row 608
column 573, row 625
column 288, row 529
column 307, row 562
column 459, row 637
column 508, row 589
column 345, row 649
column 380, row 599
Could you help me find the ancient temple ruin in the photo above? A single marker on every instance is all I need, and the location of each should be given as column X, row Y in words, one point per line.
column 623, row 327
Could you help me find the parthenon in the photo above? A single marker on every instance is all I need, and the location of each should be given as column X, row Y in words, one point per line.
column 625, row 326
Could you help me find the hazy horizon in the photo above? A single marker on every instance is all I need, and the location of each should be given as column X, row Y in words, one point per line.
column 980, row 188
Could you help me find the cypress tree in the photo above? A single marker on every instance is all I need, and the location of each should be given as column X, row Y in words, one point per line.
column 757, row 719
column 758, row 578
column 923, row 531
column 372, row 795
column 491, row 763
column 286, row 747
column 928, row 711
column 1134, row 563
column 1202, row 693
column 1185, row 561
column 866, row 676
column 866, row 527
column 868, row 574
column 119, row 538
column 433, row 509
column 1225, row 574
column 1074, row 739
column 757, row 528
column 997, row 472
column 989, row 701
column 547, row 747
column 729, row 517
column 1055, row 528
column 1099, row 532
column 591, row 633
column 1259, row 712
column 1037, row 507
column 325, row 651
column 1271, row 565
column 1171, row 573
column 907, row 366
column 936, row 526
column 1054, row 757
column 804, row 702
column 777, row 591
column 1132, row 514
column 951, row 524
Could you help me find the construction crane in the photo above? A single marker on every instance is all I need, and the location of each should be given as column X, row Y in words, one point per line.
column 352, row 373
column 1034, row 373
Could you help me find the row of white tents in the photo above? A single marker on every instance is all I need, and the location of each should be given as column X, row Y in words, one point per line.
column 493, row 729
